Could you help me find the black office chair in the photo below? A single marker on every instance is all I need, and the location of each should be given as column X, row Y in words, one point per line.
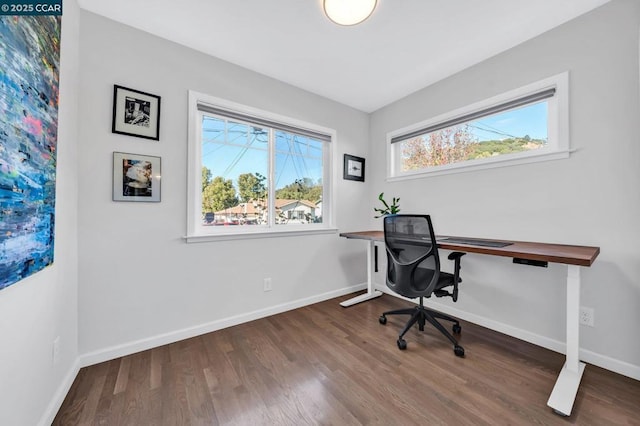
column 413, row 270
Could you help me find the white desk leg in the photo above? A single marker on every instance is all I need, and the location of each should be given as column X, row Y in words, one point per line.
column 564, row 392
column 371, row 291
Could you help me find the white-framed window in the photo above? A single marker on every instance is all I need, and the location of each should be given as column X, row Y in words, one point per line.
column 253, row 173
column 527, row 124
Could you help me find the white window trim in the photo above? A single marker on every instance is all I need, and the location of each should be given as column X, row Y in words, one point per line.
column 558, row 146
column 198, row 233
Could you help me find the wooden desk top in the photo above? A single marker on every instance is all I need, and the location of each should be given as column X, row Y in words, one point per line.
column 555, row 253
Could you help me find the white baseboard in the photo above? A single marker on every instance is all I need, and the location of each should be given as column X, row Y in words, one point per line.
column 61, row 393
column 611, row 364
column 608, row 363
column 186, row 333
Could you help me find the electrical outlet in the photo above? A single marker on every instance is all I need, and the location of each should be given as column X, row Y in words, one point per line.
column 587, row 316
column 55, row 350
column 267, row 284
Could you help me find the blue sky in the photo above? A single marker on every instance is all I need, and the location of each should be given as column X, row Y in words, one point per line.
column 529, row 120
column 245, row 150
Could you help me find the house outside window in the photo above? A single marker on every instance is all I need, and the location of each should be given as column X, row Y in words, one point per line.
column 524, row 125
column 253, row 172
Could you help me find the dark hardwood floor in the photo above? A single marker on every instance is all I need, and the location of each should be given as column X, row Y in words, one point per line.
column 324, row 364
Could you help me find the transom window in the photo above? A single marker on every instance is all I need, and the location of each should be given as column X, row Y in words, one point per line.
column 527, row 124
column 253, row 172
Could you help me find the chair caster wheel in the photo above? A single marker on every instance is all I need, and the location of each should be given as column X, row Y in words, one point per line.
column 402, row 344
column 382, row 320
column 458, row 350
column 456, row 328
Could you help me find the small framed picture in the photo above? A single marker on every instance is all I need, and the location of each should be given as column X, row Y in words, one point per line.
column 353, row 168
column 136, row 177
column 135, row 113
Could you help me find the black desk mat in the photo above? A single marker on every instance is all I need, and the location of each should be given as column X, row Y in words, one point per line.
column 474, row 242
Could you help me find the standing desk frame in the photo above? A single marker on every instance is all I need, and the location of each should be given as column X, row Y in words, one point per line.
column 564, row 392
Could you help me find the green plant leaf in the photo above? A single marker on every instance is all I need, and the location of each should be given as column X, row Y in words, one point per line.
column 388, row 209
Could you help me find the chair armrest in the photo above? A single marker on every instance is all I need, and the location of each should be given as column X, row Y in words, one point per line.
column 455, row 256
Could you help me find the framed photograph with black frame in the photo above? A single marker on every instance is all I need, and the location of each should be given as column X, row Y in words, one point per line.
column 136, row 177
column 135, row 113
column 353, row 168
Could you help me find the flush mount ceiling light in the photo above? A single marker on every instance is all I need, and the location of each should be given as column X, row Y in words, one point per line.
column 348, row 12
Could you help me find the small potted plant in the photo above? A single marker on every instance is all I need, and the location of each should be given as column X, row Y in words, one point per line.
column 388, row 209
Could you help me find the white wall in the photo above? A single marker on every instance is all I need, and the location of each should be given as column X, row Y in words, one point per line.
column 141, row 284
column 592, row 198
column 42, row 307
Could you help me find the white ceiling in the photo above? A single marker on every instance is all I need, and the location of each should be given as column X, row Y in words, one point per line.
column 405, row 45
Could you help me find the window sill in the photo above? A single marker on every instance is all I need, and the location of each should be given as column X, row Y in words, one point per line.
column 498, row 162
column 255, row 235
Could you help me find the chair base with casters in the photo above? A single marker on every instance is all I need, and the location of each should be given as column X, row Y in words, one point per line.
column 420, row 315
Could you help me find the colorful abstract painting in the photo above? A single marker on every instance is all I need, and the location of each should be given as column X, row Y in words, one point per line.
column 29, row 70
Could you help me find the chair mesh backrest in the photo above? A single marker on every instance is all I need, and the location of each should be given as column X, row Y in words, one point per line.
column 413, row 264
